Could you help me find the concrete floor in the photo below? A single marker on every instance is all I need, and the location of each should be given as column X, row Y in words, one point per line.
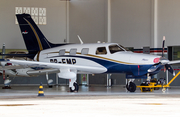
column 89, row 101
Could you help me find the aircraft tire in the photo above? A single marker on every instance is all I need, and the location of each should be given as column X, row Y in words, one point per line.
column 50, row 86
column 76, row 88
column 127, row 87
column 132, row 87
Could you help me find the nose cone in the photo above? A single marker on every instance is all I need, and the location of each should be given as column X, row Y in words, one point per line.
column 156, row 60
column 164, row 60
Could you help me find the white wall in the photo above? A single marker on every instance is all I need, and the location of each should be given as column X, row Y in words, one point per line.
column 88, row 19
column 169, row 21
column 55, row 30
column 131, row 22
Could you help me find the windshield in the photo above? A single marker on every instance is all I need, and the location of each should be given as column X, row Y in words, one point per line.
column 117, row 48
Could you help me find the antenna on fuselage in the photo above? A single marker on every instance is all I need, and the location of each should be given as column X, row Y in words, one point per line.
column 80, row 39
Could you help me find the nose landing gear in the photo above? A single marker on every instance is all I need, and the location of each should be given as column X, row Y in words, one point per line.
column 130, row 86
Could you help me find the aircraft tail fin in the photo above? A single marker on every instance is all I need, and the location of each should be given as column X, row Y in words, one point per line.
column 33, row 37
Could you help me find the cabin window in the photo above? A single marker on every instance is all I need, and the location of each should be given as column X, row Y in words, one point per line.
column 85, row 51
column 62, row 52
column 73, row 51
column 101, row 50
column 115, row 48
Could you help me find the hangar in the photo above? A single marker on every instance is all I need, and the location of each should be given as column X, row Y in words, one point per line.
column 137, row 24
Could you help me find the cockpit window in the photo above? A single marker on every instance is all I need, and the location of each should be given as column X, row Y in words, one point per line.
column 124, row 48
column 117, row 48
column 101, row 50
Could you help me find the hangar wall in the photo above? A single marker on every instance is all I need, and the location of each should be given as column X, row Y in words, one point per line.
column 169, row 21
column 88, row 19
column 132, row 23
column 54, row 30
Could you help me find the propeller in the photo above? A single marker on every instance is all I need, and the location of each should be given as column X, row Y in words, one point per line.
column 170, row 69
column 164, row 61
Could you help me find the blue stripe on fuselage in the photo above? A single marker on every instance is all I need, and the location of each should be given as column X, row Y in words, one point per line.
column 114, row 67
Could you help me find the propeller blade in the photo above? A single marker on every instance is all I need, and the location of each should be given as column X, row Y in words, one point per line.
column 165, row 69
column 163, row 46
column 170, row 69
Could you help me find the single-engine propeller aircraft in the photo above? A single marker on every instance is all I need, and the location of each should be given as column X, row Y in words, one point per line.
column 94, row 58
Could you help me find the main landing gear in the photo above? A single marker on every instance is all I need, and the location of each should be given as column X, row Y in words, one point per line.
column 49, row 81
column 7, row 83
column 74, row 87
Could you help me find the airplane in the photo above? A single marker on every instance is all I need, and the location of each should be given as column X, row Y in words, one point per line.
column 92, row 58
column 10, row 70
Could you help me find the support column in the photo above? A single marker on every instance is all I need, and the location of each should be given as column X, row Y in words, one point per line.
column 109, row 22
column 108, row 80
column 109, row 35
column 67, row 21
column 154, row 24
column 167, row 78
column 87, row 80
column 57, row 79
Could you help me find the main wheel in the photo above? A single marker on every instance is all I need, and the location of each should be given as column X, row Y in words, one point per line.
column 131, row 87
column 50, row 86
column 76, row 88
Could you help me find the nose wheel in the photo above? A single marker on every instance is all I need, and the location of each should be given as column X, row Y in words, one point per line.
column 131, row 87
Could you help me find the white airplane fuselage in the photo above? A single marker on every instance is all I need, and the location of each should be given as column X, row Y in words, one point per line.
column 118, row 62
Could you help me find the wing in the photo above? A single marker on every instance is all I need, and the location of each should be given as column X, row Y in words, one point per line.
column 88, row 69
column 30, row 72
column 11, row 67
